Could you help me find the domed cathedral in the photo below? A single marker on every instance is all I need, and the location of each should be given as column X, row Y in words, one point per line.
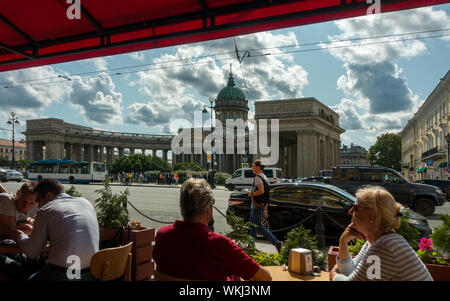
column 231, row 103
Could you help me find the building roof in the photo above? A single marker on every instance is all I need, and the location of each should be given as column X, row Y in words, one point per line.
column 8, row 143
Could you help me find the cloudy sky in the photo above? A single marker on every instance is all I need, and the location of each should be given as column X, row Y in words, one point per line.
column 367, row 69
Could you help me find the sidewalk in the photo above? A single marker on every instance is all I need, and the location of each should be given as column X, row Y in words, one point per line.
column 152, row 185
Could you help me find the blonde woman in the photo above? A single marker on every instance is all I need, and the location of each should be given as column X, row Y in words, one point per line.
column 386, row 255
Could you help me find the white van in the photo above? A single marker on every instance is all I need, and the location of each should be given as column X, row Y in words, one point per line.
column 242, row 178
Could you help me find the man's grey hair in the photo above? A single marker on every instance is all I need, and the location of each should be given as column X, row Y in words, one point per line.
column 195, row 197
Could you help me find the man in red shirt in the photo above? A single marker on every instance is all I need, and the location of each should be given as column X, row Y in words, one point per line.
column 188, row 250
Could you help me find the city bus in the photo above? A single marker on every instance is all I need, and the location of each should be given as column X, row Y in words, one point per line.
column 67, row 171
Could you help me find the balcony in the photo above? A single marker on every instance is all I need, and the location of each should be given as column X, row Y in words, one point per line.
column 434, row 153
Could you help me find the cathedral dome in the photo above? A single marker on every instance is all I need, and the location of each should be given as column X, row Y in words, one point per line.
column 232, row 100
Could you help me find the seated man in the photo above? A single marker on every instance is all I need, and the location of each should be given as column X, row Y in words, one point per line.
column 17, row 211
column 69, row 224
column 189, row 250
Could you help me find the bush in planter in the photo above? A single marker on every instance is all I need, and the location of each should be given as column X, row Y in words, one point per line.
column 441, row 235
column 301, row 238
column 240, row 233
column 221, row 177
column 112, row 207
column 427, row 254
column 410, row 234
column 72, row 191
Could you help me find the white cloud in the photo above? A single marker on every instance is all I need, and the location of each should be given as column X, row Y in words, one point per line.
column 138, row 56
column 171, row 86
column 378, row 95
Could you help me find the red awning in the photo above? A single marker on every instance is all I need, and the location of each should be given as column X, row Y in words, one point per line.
column 35, row 33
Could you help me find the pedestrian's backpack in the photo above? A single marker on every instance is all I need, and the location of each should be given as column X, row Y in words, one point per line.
column 264, row 198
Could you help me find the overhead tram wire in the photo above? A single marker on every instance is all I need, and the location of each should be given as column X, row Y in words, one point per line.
column 13, row 85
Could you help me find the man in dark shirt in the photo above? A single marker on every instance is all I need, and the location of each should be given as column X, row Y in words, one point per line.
column 188, row 250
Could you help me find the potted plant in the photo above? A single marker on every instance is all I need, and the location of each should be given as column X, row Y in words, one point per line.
column 112, row 215
column 438, row 266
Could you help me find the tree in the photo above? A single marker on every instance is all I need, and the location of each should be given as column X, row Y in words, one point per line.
column 386, row 151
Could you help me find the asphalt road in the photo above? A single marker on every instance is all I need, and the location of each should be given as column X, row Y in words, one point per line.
column 161, row 203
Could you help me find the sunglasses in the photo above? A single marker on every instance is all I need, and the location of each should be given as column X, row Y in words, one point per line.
column 357, row 207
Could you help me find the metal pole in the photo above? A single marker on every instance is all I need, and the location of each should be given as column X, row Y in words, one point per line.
column 320, row 228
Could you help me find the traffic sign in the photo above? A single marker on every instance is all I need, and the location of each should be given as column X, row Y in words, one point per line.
column 429, row 162
column 244, row 165
column 447, row 169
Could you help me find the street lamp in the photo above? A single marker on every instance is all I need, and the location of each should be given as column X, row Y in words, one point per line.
column 211, row 101
column 447, row 137
column 13, row 121
column 412, row 166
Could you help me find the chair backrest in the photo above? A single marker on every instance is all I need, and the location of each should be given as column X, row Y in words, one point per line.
column 112, row 263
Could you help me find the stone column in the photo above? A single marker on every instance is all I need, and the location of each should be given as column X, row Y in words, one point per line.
column 55, row 150
column 120, row 149
column 89, row 150
column 132, row 149
column 165, row 154
column 101, row 156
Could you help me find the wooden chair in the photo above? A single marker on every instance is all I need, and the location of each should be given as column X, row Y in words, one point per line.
column 110, row 264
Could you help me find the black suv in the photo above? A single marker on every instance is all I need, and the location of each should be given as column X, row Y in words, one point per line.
column 421, row 198
column 444, row 185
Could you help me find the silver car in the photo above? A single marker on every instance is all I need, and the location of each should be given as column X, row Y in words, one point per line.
column 14, row 175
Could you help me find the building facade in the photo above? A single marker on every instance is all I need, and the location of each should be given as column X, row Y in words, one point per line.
column 6, row 149
column 424, row 143
column 354, row 155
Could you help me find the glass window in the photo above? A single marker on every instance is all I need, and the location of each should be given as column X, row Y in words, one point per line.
column 248, row 173
column 237, row 174
column 321, row 197
column 345, row 175
column 268, row 173
column 392, row 178
column 279, row 173
column 63, row 168
column 370, row 176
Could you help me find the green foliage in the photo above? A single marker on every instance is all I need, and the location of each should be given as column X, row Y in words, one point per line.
column 112, row 207
column 267, row 259
column 5, row 162
column 221, row 177
column 386, row 151
column 73, row 191
column 441, row 235
column 240, row 233
column 301, row 238
column 356, row 246
column 410, row 234
column 192, row 166
column 430, row 257
column 139, row 163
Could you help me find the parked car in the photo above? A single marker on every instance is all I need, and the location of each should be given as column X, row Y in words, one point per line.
column 242, row 178
column 421, row 198
column 3, row 175
column 291, row 203
column 13, row 175
column 444, row 185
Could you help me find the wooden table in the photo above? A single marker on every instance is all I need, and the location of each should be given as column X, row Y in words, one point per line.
column 279, row 274
column 10, row 249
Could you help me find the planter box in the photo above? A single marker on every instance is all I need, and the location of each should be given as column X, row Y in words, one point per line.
column 439, row 272
column 333, row 252
column 142, row 266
